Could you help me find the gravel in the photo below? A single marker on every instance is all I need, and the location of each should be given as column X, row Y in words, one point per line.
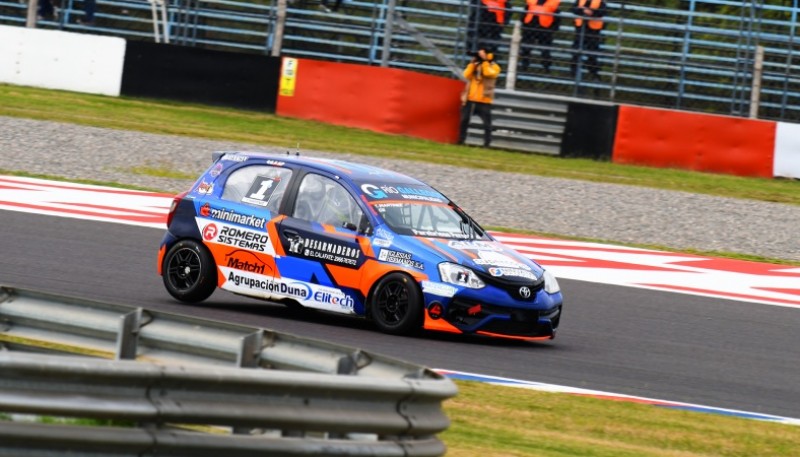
column 610, row 212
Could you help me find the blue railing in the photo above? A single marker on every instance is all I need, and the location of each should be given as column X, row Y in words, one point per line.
column 698, row 57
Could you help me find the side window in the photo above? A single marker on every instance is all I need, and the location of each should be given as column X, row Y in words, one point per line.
column 258, row 185
column 324, row 200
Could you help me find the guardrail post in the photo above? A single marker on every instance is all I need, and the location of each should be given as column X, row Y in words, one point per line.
column 250, row 350
column 280, row 24
column 350, row 363
column 128, row 335
column 513, row 56
column 755, row 93
column 33, row 7
column 387, row 33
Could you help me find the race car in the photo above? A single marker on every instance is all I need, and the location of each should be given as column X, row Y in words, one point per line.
column 352, row 239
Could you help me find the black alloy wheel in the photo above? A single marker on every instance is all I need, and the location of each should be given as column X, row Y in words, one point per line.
column 396, row 305
column 189, row 272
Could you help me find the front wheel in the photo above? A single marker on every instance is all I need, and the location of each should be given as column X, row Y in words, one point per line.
column 189, row 272
column 396, row 305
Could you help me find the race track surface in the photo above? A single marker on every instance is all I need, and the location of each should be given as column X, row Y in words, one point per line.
column 631, row 341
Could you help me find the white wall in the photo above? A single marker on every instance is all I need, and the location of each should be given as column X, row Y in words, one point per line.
column 787, row 151
column 61, row 60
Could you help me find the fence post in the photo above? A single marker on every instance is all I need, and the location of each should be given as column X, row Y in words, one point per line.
column 33, row 6
column 513, row 56
column 280, row 23
column 755, row 93
column 387, row 33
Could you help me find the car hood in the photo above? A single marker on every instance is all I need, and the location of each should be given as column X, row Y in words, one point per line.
column 487, row 257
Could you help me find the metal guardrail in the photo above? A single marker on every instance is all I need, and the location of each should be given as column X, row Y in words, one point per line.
column 310, row 397
column 524, row 122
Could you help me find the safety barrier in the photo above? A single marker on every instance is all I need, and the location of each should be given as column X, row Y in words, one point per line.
column 309, row 397
column 524, row 122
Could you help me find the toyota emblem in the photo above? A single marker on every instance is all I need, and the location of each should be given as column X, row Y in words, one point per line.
column 525, row 292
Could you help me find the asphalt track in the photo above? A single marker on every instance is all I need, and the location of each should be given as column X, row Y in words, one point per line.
column 677, row 347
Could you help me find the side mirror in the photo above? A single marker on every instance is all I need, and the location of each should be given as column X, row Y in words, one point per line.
column 364, row 227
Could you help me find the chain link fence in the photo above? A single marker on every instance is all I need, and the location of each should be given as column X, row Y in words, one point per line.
column 696, row 55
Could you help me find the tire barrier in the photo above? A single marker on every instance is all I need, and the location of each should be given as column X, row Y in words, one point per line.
column 308, row 397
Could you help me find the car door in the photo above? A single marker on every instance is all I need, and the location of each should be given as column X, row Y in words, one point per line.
column 236, row 228
column 323, row 249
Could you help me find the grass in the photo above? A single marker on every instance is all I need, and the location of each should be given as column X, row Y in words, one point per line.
column 491, row 421
column 257, row 128
column 486, row 420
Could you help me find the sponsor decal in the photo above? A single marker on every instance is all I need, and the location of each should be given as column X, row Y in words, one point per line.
column 205, row 188
column 245, row 239
column 232, row 157
column 474, row 245
column 275, row 163
column 401, row 258
column 232, row 216
column 310, row 295
column 338, row 299
column 271, row 287
column 403, row 192
column 496, row 259
column 499, row 271
column 437, row 288
column 261, row 190
column 245, row 261
column 288, row 79
column 437, row 234
column 383, row 238
column 216, row 170
column 326, row 250
column 210, row 232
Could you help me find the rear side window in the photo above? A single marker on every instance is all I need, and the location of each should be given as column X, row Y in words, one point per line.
column 261, row 186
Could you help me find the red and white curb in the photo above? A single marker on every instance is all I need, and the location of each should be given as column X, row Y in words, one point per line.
column 753, row 282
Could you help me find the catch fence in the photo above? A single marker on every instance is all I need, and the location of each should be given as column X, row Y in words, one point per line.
column 700, row 55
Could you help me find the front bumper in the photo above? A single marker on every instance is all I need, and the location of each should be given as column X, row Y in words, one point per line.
column 491, row 314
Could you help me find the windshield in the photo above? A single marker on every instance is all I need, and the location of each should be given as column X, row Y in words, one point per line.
column 419, row 210
column 428, row 219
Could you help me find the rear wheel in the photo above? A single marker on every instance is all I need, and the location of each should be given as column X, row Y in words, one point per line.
column 189, row 272
column 396, row 305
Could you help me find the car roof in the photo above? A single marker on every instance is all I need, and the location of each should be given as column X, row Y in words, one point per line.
column 355, row 171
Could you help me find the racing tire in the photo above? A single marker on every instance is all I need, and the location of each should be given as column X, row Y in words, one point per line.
column 396, row 305
column 189, row 272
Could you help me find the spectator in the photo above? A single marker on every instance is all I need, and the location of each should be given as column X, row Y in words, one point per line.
column 588, row 25
column 539, row 21
column 481, row 74
column 45, row 10
column 487, row 19
column 89, row 7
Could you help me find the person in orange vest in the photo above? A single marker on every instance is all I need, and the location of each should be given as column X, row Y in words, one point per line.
column 539, row 21
column 588, row 25
column 487, row 20
column 481, row 74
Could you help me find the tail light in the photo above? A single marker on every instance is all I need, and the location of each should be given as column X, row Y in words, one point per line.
column 174, row 206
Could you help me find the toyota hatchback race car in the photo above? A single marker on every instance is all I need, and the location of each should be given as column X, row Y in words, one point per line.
column 350, row 239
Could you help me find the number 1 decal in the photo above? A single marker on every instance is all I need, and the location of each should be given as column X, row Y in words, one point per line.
column 261, row 190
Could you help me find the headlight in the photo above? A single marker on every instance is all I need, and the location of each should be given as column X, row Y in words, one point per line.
column 456, row 274
column 550, row 283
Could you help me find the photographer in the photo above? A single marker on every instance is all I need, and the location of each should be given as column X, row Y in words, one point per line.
column 481, row 74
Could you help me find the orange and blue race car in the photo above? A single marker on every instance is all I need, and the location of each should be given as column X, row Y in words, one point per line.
column 351, row 239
